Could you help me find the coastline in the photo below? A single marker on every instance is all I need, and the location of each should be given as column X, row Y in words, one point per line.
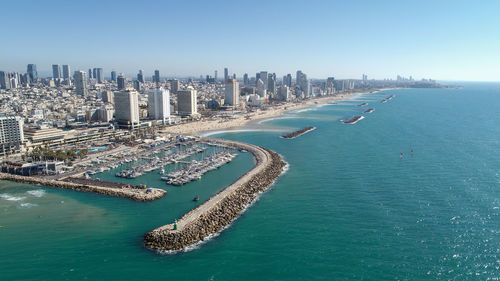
column 206, row 126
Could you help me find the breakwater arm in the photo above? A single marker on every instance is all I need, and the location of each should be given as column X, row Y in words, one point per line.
column 131, row 192
column 219, row 211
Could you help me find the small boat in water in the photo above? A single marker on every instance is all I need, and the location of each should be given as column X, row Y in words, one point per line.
column 196, row 199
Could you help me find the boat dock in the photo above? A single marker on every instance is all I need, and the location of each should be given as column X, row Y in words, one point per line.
column 155, row 163
column 196, row 169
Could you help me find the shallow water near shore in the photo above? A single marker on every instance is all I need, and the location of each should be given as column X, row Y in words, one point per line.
column 348, row 208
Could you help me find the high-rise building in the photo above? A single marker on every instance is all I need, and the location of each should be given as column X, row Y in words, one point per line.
column 174, row 86
column 33, row 74
column 107, row 96
column 90, row 74
column 121, row 82
column 66, row 72
column 284, row 93
column 11, row 134
column 271, row 85
column 186, row 102
column 80, row 78
column 56, row 71
column 127, row 109
column 4, row 80
column 140, row 76
column 302, row 84
column 98, row 75
column 226, row 74
column 215, row 75
column 261, row 90
column 113, row 76
column 245, row 79
column 263, row 76
column 156, row 76
column 232, row 93
column 159, row 104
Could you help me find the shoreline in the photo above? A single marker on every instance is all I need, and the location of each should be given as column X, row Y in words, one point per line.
column 216, row 214
column 206, row 126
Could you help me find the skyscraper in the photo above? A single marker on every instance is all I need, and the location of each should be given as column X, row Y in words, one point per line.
column 226, row 74
column 56, row 71
column 245, row 79
column 302, row 84
column 186, row 102
column 127, row 108
column 80, row 78
column 11, row 134
column 113, row 76
column 174, row 86
column 215, row 75
column 4, row 80
column 261, row 90
column 66, row 72
column 98, row 74
column 90, row 74
column 121, row 82
column 232, row 93
column 263, row 76
column 140, row 76
column 159, row 104
column 271, row 85
column 157, row 76
column 33, row 74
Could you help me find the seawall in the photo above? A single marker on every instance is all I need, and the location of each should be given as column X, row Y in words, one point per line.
column 142, row 195
column 219, row 211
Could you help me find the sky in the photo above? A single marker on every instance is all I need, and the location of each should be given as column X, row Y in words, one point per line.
column 439, row 39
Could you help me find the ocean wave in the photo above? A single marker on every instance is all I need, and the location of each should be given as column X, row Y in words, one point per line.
column 9, row 197
column 27, row 205
column 36, row 192
column 277, row 118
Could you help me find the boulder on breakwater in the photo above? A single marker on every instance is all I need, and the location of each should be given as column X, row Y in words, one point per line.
column 223, row 208
column 142, row 195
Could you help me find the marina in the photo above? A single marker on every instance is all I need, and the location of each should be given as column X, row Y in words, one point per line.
column 153, row 162
column 196, row 169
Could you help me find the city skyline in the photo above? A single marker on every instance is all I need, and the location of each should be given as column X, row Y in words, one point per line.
column 345, row 40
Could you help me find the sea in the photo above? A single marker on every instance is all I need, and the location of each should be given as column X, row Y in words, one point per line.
column 410, row 192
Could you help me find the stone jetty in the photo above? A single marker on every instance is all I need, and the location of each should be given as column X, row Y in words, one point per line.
column 219, row 211
column 136, row 193
column 298, row 133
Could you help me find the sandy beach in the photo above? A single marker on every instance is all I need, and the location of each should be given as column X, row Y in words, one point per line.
column 197, row 127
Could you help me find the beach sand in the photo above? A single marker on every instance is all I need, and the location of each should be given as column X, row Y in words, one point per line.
column 204, row 125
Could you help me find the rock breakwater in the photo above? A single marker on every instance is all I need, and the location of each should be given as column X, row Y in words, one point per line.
column 131, row 192
column 223, row 208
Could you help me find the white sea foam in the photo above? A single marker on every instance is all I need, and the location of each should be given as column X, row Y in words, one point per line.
column 277, row 118
column 27, row 205
column 37, row 192
column 9, row 197
column 211, row 133
column 213, row 235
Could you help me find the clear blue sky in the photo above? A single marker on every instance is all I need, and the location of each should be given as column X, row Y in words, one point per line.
column 447, row 40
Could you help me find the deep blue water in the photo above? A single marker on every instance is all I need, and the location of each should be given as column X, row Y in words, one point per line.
column 348, row 208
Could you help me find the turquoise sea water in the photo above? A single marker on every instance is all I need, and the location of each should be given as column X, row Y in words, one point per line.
column 348, row 208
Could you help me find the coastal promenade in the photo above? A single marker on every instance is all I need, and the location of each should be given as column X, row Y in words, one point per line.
column 126, row 191
column 219, row 211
